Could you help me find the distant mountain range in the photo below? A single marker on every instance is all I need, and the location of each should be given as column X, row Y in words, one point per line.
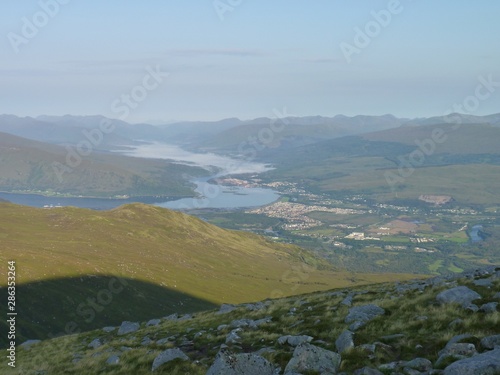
column 28, row 163
column 226, row 135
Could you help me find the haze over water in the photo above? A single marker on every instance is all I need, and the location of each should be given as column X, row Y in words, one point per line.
column 226, row 165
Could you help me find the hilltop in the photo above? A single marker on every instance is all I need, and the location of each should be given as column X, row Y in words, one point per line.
column 38, row 167
column 161, row 261
column 418, row 327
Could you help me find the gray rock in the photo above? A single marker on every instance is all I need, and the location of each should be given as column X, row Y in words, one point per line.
column 410, row 371
column 307, row 357
column 222, row 326
column 28, row 343
column 356, row 325
column 460, row 294
column 344, row 341
column 153, row 322
column 185, row 317
column 233, row 337
column 392, row 366
column 456, row 351
column 463, row 348
column 496, row 295
column 483, row 282
column 367, row 371
column 95, row 343
column 347, row 301
column 113, row 360
column 226, row 308
column 128, row 327
column 370, row 348
column 255, row 306
column 167, row 356
column 487, row 363
column 198, row 334
column 172, row 317
column 227, row 363
column 489, row 307
column 294, row 340
column 472, row 307
column 364, row 313
column 146, row 341
column 253, row 324
column 264, row 350
column 166, row 340
column 457, row 338
column 490, row 342
column 108, row 329
column 419, row 364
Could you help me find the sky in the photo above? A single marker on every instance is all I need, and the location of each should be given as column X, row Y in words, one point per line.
column 163, row 60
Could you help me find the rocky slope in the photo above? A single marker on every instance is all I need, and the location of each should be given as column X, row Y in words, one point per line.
column 444, row 325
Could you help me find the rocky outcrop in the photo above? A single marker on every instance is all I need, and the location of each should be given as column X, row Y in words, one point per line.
column 307, row 357
column 460, row 294
column 487, row 363
column 167, row 356
column 128, row 327
column 227, row 363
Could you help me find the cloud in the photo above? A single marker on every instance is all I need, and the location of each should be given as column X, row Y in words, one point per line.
column 217, row 52
column 321, row 60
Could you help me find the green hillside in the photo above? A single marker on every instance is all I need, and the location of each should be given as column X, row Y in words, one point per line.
column 31, row 166
column 170, row 262
column 397, row 328
column 379, row 165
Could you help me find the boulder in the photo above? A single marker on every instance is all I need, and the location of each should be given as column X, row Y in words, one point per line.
column 226, row 308
column 419, row 364
column 367, row 371
column 487, row 363
column 227, row 363
column 128, row 327
column 460, row 294
column 153, row 322
column 113, row 360
column 483, row 282
column 233, row 337
column 294, row 340
column 490, row 342
column 307, row 357
column 347, row 301
column 95, row 343
column 363, row 313
column 456, row 351
column 167, row 356
column 344, row 341
column 489, row 307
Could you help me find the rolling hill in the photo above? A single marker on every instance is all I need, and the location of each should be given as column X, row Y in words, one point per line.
column 400, row 163
column 139, row 260
column 32, row 166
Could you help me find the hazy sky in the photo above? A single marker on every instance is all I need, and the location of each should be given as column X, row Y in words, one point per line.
column 244, row 58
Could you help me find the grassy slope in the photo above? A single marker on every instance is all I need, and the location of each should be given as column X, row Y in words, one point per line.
column 28, row 165
column 155, row 246
column 467, row 162
column 424, row 326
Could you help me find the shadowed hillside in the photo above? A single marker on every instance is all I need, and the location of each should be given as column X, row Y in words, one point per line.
column 55, row 307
